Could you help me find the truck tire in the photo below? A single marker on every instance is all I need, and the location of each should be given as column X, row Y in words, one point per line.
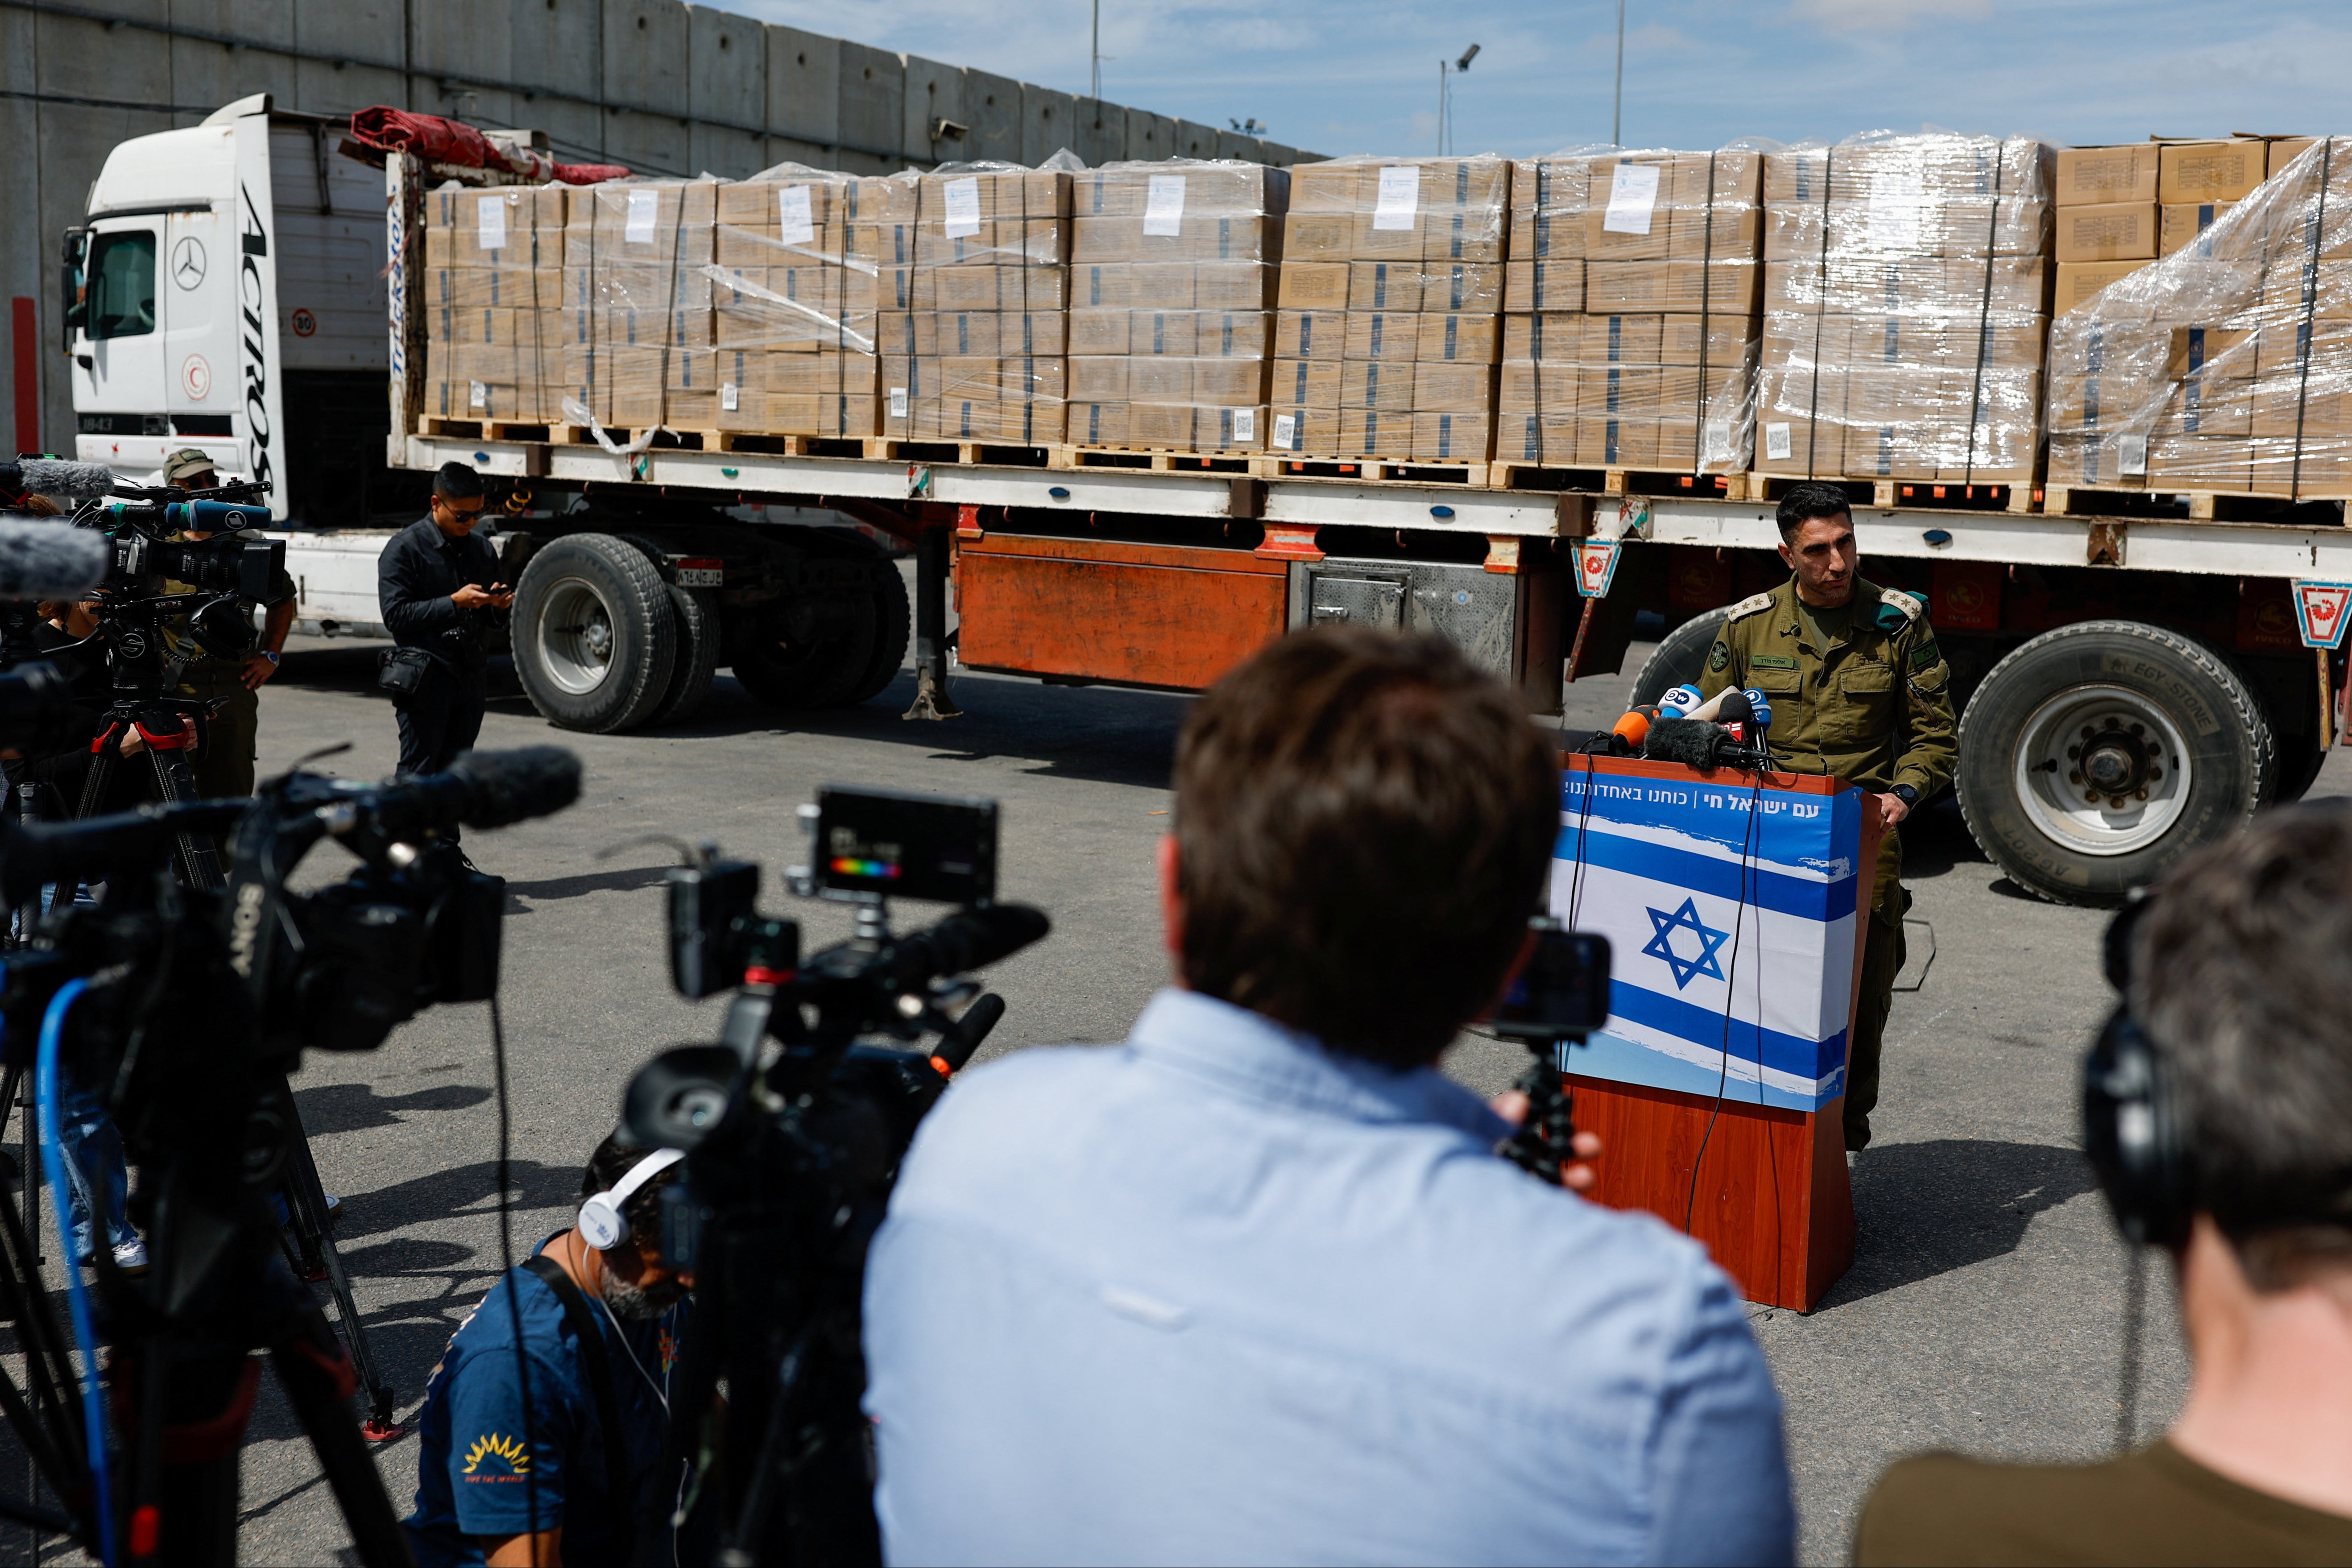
column 594, row 635
column 1679, row 659
column 695, row 612
column 803, row 655
column 2095, row 757
column 893, row 624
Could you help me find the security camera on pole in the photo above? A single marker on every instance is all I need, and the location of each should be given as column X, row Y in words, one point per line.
column 1445, row 97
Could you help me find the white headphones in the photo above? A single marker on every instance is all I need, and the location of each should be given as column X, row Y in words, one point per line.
column 601, row 1224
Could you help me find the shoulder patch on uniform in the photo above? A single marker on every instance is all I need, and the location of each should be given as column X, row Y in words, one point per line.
column 1926, row 654
column 1897, row 609
column 1748, row 607
column 1718, row 657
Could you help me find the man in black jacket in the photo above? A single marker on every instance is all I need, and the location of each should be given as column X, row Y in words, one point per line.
column 437, row 586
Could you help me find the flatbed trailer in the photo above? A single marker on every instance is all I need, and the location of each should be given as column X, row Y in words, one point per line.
column 2131, row 687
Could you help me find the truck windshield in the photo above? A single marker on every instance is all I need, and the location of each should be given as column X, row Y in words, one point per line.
column 121, row 273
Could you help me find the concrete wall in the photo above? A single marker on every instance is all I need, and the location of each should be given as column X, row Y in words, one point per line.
column 663, row 87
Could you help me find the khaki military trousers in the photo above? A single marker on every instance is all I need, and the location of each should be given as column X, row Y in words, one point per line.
column 1882, row 960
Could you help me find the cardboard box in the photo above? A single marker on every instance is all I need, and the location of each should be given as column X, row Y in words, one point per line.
column 1375, row 383
column 2183, row 224
column 1158, row 335
column 2210, row 171
column 2102, row 176
column 1543, row 286
column 1231, row 285
column 1549, row 390
column 1469, row 387
column 2285, row 407
column 1555, row 338
column 1097, row 378
column 1316, row 235
column 1098, row 424
column 1528, row 437
column 1310, row 334
column 1099, row 331
column 1457, row 436
column 1383, row 286
column 1158, row 380
column 1303, row 429
column 1472, row 235
column 2079, row 281
column 1310, row 285
column 1375, row 433
column 1229, row 383
column 1232, row 335
column 2209, row 350
column 1391, row 335
column 2122, row 231
column 1606, row 442
column 1305, row 383
column 1719, row 341
column 1452, row 338
column 2283, row 151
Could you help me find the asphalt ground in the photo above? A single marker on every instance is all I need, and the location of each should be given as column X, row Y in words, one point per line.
column 1982, row 1313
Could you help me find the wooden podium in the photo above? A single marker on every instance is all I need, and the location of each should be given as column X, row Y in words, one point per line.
column 1737, row 905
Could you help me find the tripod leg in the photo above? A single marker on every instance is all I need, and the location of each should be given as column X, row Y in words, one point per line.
column 318, row 1381
column 307, row 1198
column 199, row 862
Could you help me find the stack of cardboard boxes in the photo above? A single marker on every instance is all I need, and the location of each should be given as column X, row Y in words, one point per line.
column 795, row 304
column 493, row 282
column 1631, row 325
column 1906, row 298
column 974, row 338
column 636, row 314
column 2226, row 366
column 1171, row 282
column 1386, row 340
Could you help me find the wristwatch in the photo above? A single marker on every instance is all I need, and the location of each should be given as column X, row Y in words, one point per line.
column 1906, row 795
column 269, row 656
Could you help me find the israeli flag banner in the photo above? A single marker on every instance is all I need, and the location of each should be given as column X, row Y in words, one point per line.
column 1730, row 909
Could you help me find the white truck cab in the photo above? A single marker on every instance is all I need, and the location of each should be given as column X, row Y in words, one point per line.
column 226, row 292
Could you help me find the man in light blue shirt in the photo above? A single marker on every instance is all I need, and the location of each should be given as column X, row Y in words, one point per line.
column 1254, row 1287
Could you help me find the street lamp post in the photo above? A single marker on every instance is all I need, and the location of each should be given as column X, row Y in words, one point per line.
column 1617, row 103
column 1444, row 96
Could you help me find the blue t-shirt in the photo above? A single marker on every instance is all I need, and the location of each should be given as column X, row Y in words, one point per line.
column 471, row 1455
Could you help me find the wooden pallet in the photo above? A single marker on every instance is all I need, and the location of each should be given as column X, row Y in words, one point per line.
column 2200, row 506
column 1904, row 495
column 1001, row 454
column 1381, row 470
column 1160, row 460
column 1516, row 475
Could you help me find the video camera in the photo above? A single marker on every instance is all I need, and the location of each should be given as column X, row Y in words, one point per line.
column 1560, row 996
column 144, row 551
column 794, row 1125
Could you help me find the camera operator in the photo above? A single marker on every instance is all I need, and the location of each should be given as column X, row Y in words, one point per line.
column 62, row 637
column 438, row 586
column 601, row 1317
column 2234, row 989
column 1255, row 1286
column 224, row 767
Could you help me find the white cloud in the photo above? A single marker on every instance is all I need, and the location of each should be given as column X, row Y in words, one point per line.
column 1886, row 16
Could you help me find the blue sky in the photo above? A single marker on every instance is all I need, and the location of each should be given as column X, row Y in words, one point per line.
column 1359, row 76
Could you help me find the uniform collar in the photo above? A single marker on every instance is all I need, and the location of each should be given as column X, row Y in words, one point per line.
column 1865, row 591
column 1250, row 1054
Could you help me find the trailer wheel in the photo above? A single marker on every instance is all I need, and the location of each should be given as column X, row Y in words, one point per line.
column 893, row 624
column 804, row 654
column 1679, row 659
column 2095, row 757
column 594, row 635
column 695, row 612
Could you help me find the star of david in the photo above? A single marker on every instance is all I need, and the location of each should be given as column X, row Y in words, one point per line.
column 1662, row 944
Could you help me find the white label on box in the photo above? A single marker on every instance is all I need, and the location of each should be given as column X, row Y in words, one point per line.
column 1244, row 425
column 1285, row 431
column 726, row 398
column 1716, row 447
column 799, row 228
column 645, row 211
column 964, row 206
column 897, row 403
column 490, row 223
column 1399, row 198
column 2131, row 455
column 478, row 395
column 1895, row 204
column 1777, row 446
column 1633, row 198
column 1163, row 206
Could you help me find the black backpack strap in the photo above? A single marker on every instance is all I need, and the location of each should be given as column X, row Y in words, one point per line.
column 608, row 1404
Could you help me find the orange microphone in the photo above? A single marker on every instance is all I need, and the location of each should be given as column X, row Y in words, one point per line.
column 1633, row 730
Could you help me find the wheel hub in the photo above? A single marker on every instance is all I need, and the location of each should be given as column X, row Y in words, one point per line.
column 2102, row 770
column 578, row 640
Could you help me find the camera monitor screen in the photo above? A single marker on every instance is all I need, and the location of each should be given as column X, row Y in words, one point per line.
column 1564, row 989
column 906, row 846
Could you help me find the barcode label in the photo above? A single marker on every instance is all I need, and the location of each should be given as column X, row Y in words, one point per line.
column 1633, row 198
column 1163, row 206
column 645, row 212
column 897, row 403
column 798, row 227
column 1778, row 445
column 1244, row 425
column 490, row 223
column 964, row 206
column 1399, row 198
column 1285, row 431
column 727, row 397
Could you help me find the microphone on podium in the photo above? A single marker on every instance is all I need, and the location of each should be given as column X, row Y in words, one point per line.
column 1734, row 713
column 1763, row 706
column 1630, row 731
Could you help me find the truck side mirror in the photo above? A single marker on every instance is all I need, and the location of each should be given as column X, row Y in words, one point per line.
column 73, row 308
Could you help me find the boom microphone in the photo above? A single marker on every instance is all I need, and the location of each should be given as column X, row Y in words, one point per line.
column 481, row 789
column 967, row 939
column 1693, row 742
column 50, row 560
column 56, row 477
column 40, row 853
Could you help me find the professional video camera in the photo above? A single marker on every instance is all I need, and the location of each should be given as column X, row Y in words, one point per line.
column 792, row 1150
column 184, row 1008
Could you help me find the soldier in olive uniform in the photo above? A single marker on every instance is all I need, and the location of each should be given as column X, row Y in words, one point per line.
column 1858, row 690
column 223, row 763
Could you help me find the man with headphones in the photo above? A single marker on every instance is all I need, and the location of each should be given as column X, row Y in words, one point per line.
column 542, row 1425
column 2218, row 1115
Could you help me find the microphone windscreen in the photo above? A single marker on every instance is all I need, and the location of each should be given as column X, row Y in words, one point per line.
column 508, row 788
column 56, row 477
column 1693, row 742
column 44, row 560
column 1735, row 709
